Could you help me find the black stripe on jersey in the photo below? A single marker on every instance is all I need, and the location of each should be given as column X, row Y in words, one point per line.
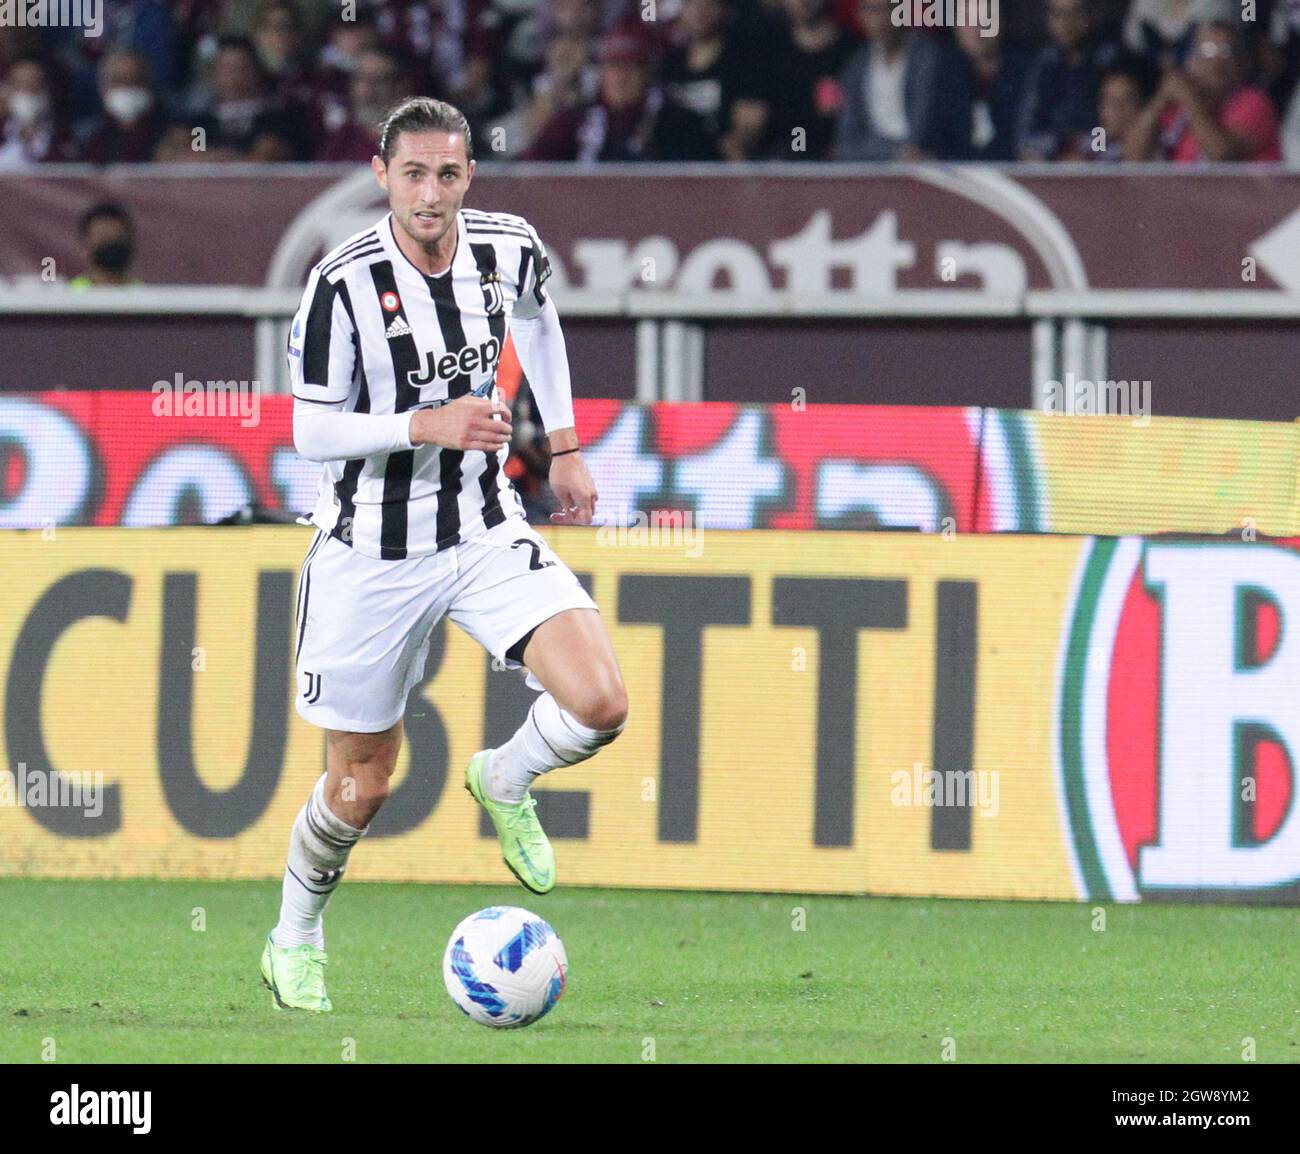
column 344, row 249
column 485, row 256
column 493, row 217
column 400, row 465
column 352, row 258
column 485, row 220
column 302, row 609
column 449, row 460
column 345, row 490
column 319, row 331
column 525, row 255
column 341, row 257
column 483, row 230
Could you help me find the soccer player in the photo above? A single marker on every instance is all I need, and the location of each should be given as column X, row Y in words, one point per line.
column 392, row 361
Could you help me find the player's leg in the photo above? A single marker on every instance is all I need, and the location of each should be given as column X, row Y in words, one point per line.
column 512, row 587
column 362, row 639
column 583, row 708
column 337, row 813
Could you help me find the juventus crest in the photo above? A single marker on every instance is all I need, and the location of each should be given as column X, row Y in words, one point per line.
column 490, row 282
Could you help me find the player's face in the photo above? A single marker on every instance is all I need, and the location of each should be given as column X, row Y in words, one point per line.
column 426, row 182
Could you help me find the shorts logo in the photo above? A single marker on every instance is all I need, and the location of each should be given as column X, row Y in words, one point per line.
column 391, row 302
column 311, row 694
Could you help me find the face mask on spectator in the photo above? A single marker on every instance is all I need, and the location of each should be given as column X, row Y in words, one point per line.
column 28, row 107
column 112, row 255
column 127, row 105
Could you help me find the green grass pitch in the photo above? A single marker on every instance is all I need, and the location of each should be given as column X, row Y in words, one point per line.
column 113, row 971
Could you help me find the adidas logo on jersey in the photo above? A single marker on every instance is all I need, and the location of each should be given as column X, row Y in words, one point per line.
column 399, row 328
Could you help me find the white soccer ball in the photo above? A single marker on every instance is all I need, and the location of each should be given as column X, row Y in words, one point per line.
column 504, row 967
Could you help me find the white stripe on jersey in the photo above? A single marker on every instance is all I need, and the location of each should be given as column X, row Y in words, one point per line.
column 376, row 335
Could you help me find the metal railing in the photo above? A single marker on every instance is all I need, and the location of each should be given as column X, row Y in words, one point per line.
column 1070, row 327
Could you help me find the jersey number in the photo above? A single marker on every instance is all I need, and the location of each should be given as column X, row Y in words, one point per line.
column 533, row 563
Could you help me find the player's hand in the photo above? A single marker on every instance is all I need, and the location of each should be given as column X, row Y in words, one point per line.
column 574, row 489
column 467, row 423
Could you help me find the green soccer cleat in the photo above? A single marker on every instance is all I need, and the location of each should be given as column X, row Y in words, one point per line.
column 296, row 977
column 524, row 844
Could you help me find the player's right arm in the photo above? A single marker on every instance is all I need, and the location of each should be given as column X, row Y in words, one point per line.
column 322, row 370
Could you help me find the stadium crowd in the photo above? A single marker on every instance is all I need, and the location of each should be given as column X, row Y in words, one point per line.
column 678, row 80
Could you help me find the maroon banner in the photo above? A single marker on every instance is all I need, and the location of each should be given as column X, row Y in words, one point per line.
column 833, row 229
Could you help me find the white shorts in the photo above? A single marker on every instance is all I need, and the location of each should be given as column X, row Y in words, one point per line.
column 364, row 624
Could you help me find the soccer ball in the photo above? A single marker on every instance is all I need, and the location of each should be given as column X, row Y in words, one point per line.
column 504, row 967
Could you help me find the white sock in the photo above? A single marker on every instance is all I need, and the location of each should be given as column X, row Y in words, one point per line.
column 549, row 737
column 318, row 854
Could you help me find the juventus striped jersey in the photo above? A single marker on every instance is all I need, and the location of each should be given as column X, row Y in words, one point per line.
column 375, row 335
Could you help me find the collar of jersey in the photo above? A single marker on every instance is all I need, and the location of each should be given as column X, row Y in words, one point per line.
column 389, row 238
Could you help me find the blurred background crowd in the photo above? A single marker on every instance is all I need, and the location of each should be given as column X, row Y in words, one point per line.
column 1100, row 81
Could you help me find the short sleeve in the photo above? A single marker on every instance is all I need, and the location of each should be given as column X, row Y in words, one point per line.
column 322, row 343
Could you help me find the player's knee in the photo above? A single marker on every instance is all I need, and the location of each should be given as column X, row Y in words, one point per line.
column 605, row 708
column 370, row 788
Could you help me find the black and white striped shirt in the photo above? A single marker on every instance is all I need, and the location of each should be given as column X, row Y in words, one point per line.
column 378, row 336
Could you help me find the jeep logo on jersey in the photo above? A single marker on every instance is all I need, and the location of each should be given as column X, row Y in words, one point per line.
column 470, row 359
column 1177, row 725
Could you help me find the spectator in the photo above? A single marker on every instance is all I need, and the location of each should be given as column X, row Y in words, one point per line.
column 145, row 26
column 894, row 106
column 1060, row 106
column 346, row 42
column 1161, row 30
column 131, row 124
column 708, row 74
column 379, row 82
column 241, row 120
column 1208, row 112
column 1280, row 52
column 1126, row 87
column 805, row 70
column 107, row 243
column 278, row 38
column 993, row 83
column 283, row 52
column 32, row 130
column 629, row 120
column 568, row 79
column 17, row 42
column 433, row 35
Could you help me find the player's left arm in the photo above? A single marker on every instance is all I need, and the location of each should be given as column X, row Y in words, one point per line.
column 539, row 340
